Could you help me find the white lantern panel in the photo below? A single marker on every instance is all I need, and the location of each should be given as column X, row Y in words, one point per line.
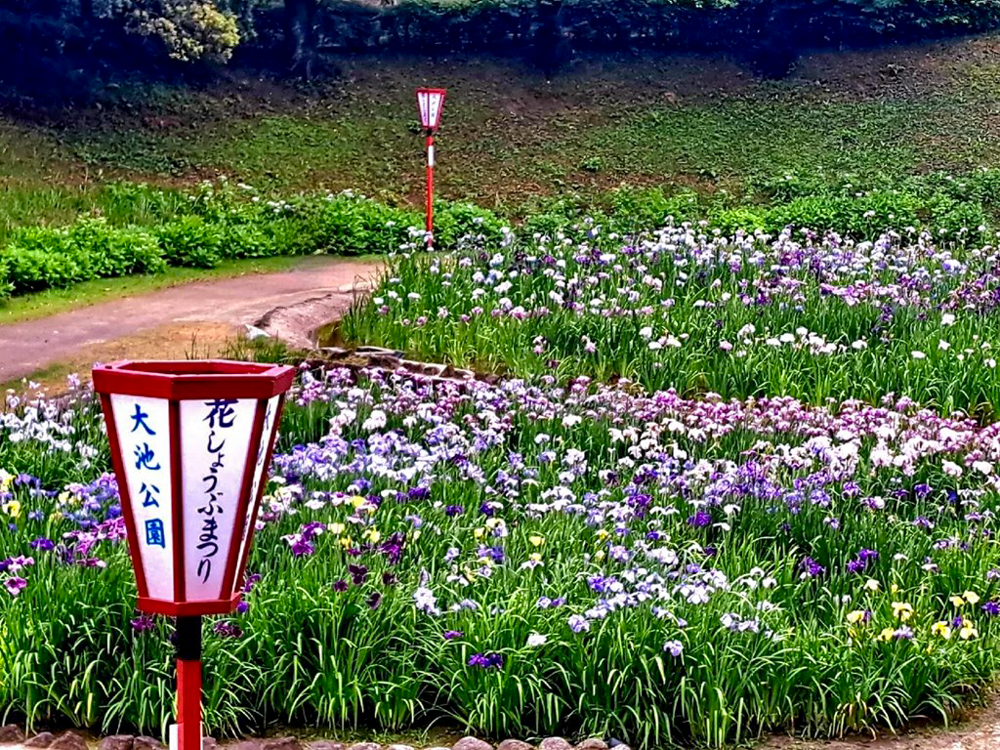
column 215, row 441
column 270, row 425
column 423, row 101
column 434, row 109
column 143, row 428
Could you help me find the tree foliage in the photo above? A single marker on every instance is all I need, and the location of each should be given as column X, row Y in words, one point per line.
column 44, row 38
column 189, row 29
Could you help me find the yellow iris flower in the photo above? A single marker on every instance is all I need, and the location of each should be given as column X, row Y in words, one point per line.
column 942, row 628
column 902, row 610
column 968, row 630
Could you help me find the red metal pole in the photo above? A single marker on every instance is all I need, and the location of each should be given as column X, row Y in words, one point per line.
column 430, row 186
column 189, row 682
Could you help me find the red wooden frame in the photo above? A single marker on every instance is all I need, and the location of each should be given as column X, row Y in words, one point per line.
column 193, row 380
column 260, row 489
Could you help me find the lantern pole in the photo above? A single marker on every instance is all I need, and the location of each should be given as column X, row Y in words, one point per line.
column 430, row 187
column 189, row 682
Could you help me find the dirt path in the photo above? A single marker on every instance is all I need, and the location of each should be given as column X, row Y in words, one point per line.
column 976, row 729
column 171, row 322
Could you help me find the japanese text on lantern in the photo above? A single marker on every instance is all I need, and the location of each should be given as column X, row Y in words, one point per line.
column 148, row 463
column 220, row 420
column 143, row 428
column 214, row 447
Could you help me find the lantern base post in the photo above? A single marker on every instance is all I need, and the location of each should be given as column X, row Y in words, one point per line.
column 430, row 189
column 188, row 683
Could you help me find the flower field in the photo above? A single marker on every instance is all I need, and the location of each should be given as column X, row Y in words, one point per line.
column 730, row 485
column 815, row 316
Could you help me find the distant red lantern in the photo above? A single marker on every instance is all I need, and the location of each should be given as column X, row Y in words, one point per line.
column 190, row 445
column 430, row 104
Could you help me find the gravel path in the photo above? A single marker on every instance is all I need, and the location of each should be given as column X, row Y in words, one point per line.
column 32, row 345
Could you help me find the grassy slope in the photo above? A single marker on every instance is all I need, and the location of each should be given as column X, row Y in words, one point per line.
column 510, row 135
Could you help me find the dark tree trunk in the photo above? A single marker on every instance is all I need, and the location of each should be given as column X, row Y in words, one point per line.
column 550, row 49
column 300, row 17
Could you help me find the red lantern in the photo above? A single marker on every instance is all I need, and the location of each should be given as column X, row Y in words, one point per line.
column 430, row 103
column 190, row 444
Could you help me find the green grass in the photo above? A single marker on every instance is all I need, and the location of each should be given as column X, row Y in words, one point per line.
column 510, row 137
column 54, row 301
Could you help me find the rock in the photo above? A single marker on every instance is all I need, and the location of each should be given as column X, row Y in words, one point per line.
column 281, row 743
column 245, row 745
column 593, row 743
column 11, row 733
column 554, row 743
column 357, row 286
column 471, row 743
column 43, row 739
column 254, row 333
column 513, row 745
column 68, row 741
column 207, row 743
column 401, row 747
column 365, row 746
column 116, row 742
column 437, row 747
column 147, row 743
column 326, row 745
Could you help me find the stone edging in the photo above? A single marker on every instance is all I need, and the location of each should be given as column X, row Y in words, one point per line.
column 296, row 324
column 12, row 738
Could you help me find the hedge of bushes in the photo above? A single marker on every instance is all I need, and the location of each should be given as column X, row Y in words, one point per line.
column 218, row 226
column 221, row 222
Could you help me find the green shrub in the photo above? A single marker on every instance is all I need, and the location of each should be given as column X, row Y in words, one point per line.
column 6, row 287
column 747, row 218
column 253, row 240
column 115, row 251
column 32, row 269
column 634, row 210
column 860, row 216
column 191, row 241
column 346, row 224
column 453, row 221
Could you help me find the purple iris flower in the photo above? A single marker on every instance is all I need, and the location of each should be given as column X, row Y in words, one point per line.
column 812, row 568
column 700, row 519
column 227, row 629
column 486, row 661
column 142, row 623
column 358, row 574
